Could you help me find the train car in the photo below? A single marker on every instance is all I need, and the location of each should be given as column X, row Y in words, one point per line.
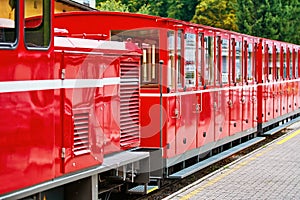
column 203, row 90
column 130, row 99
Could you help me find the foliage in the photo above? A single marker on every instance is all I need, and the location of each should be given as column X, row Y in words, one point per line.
column 274, row 19
column 217, row 13
column 112, row 5
column 181, row 9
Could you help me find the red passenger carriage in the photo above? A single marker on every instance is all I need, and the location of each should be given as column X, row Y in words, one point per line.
column 210, row 79
column 131, row 97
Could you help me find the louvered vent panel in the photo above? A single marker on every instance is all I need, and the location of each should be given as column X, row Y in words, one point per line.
column 81, row 134
column 129, row 96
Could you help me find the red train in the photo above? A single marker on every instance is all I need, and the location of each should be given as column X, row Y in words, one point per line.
column 92, row 101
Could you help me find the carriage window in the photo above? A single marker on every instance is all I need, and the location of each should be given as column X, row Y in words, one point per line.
column 254, row 70
column 190, row 60
column 278, row 75
column 209, row 60
column 7, row 23
column 37, row 23
column 270, row 63
column 250, row 62
column 291, row 72
column 225, row 60
column 284, row 64
column 171, row 60
column 264, row 62
column 296, row 64
column 146, row 41
column 200, row 59
column 238, row 61
column 178, row 61
column 218, row 62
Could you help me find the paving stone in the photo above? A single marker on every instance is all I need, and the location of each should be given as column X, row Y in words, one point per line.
column 272, row 172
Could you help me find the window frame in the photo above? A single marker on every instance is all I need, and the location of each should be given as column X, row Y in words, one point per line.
column 45, row 27
column 13, row 45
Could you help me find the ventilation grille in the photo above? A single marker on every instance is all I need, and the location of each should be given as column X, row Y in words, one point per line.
column 129, row 104
column 81, row 134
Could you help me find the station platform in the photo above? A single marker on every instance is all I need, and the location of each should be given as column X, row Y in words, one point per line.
column 270, row 172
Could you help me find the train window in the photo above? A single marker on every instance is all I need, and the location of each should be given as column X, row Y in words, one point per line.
column 238, row 61
column 250, row 61
column 278, row 75
column 291, row 75
column 171, row 60
column 190, row 60
column 200, row 59
column 254, row 69
column 179, row 58
column 284, row 64
column 209, row 60
column 148, row 41
column 296, row 64
column 7, row 23
column 270, row 63
column 37, row 23
column 225, row 60
column 218, row 62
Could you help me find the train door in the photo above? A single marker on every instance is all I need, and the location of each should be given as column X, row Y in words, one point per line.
column 206, row 120
column 296, row 86
column 290, row 76
column 276, row 86
column 36, row 64
column 283, row 85
column 236, row 84
column 186, row 99
column 221, row 96
column 268, row 81
column 201, row 128
column 173, row 111
column 249, row 84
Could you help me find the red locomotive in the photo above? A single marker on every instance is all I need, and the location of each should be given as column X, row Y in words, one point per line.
column 97, row 99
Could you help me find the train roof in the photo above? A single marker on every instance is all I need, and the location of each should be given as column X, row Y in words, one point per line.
column 149, row 20
column 89, row 45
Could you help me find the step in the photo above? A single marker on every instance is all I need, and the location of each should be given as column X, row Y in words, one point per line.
column 140, row 189
column 281, row 127
column 213, row 159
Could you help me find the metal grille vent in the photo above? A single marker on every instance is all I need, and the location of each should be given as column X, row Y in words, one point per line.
column 81, row 134
column 129, row 104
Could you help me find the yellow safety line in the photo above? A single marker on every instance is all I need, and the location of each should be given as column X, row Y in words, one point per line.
column 289, row 137
column 152, row 189
column 218, row 178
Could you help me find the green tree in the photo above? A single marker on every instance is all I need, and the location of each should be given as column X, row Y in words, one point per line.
column 181, row 9
column 290, row 23
column 112, row 5
column 266, row 23
column 245, row 16
column 124, row 6
column 217, row 13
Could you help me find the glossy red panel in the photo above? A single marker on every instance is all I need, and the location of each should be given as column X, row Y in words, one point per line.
column 276, row 100
column 27, row 140
column 221, row 114
column 150, row 121
column 186, row 124
column 235, row 95
column 247, row 108
column 206, row 127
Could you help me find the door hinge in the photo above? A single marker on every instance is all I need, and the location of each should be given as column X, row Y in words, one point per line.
column 63, row 153
column 63, row 73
